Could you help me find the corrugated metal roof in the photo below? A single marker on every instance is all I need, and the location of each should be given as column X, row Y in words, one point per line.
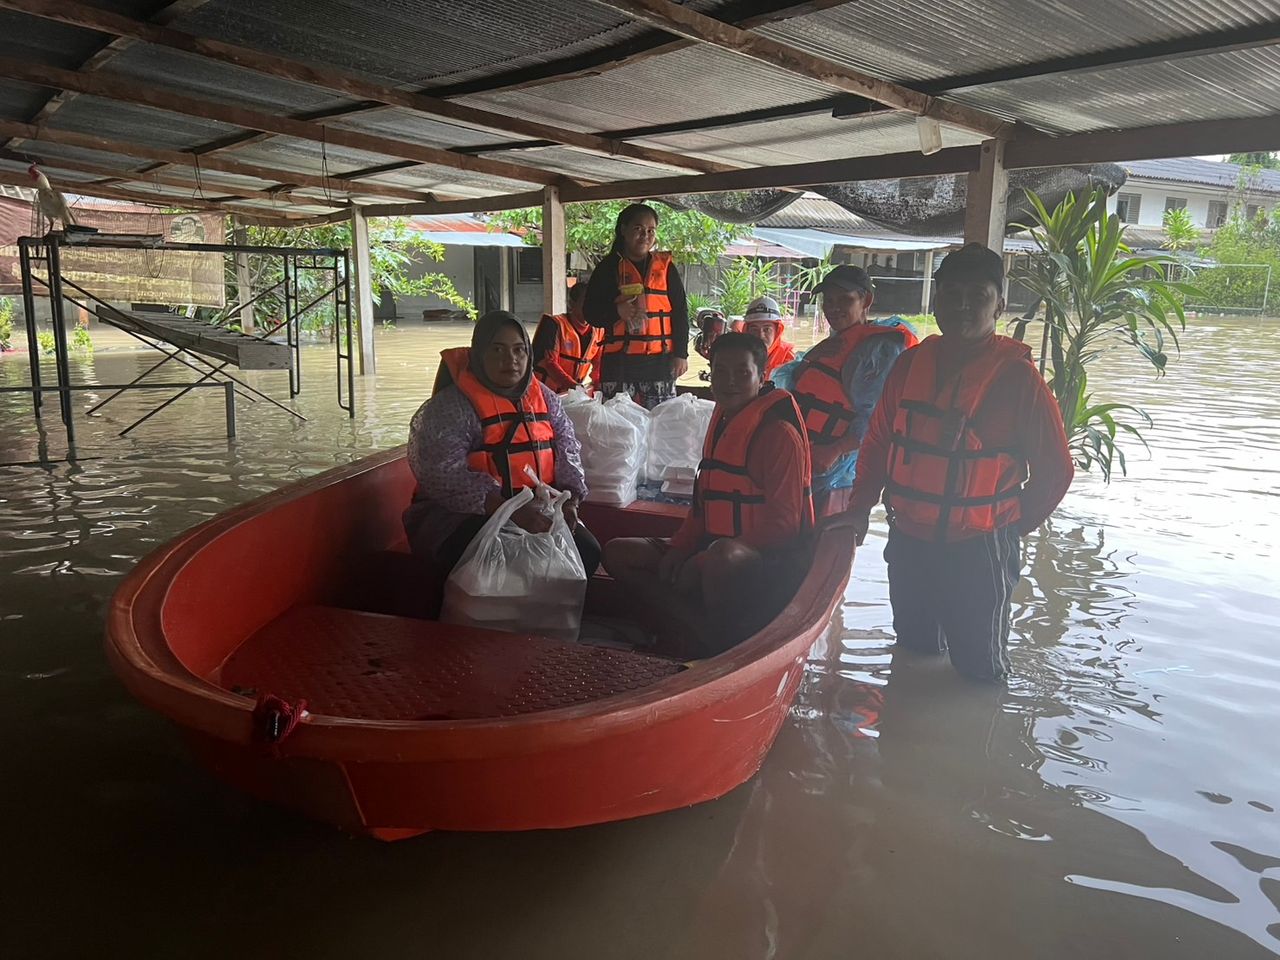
column 1209, row 173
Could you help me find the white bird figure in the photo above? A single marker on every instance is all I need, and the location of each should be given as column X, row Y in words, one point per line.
column 52, row 203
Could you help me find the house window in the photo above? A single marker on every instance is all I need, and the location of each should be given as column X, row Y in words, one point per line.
column 1127, row 206
column 529, row 265
column 1217, row 214
column 1251, row 212
column 1175, row 203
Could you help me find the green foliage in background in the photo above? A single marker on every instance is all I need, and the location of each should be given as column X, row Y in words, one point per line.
column 1180, row 231
column 48, row 346
column 1267, row 161
column 6, row 323
column 807, row 278
column 691, row 237
column 1097, row 298
column 744, row 279
column 1239, row 241
column 393, row 250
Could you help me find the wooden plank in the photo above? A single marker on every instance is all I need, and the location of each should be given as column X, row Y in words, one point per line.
column 82, row 15
column 289, row 178
column 506, row 201
column 215, row 343
column 362, row 294
column 1242, row 135
column 149, row 95
column 987, row 198
column 553, row 253
column 696, row 26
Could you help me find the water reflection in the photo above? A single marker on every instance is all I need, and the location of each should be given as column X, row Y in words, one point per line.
column 1121, row 790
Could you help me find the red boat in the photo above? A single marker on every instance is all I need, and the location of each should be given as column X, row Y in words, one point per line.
column 411, row 725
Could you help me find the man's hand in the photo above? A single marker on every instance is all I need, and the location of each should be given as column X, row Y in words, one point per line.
column 672, row 565
column 861, row 522
column 571, row 513
column 679, row 367
column 532, row 519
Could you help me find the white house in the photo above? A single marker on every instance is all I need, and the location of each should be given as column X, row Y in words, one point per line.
column 1208, row 189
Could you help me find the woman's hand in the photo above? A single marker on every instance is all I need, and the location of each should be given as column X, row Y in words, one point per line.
column 571, row 513
column 632, row 311
column 679, row 367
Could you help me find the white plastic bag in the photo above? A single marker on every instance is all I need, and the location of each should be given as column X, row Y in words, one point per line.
column 612, row 451
column 639, row 416
column 521, row 582
column 677, row 428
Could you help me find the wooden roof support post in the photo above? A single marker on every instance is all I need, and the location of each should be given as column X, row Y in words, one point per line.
column 553, row 253
column 363, row 292
column 244, row 285
column 988, row 198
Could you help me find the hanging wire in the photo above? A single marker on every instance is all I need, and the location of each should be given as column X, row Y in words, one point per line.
column 324, row 163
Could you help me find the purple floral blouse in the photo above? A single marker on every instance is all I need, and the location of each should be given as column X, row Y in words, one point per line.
column 443, row 431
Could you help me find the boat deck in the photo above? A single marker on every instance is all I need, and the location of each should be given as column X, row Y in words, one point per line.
column 350, row 663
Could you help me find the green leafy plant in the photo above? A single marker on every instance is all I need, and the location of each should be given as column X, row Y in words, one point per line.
column 806, row 279
column 395, row 249
column 698, row 301
column 1180, row 231
column 6, row 323
column 48, row 345
column 1245, row 249
column 1097, row 297
column 81, row 341
column 691, row 237
column 744, row 279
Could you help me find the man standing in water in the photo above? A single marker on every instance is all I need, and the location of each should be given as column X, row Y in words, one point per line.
column 968, row 447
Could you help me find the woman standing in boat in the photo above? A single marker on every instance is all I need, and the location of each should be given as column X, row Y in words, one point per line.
column 637, row 297
column 488, row 419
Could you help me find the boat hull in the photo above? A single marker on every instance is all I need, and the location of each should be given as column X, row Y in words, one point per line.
column 688, row 738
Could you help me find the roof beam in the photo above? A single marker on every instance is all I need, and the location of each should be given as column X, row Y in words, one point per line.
column 108, row 51
column 84, row 188
column 289, row 179
column 507, row 201
column 1146, row 143
column 689, row 23
column 94, row 18
column 205, row 190
column 144, row 94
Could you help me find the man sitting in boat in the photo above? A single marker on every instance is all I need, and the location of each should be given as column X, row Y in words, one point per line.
column 743, row 548
column 838, row 381
column 566, row 349
column 764, row 320
column 487, row 420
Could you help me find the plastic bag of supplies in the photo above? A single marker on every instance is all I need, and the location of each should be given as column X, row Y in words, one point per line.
column 612, row 449
column 511, row 579
column 677, row 428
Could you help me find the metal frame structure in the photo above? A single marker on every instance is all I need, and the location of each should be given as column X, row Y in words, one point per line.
column 47, row 250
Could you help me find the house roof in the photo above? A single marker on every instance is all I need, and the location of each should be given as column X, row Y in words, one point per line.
column 293, row 110
column 1208, row 173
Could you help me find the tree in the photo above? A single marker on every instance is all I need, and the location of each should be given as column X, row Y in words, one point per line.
column 691, row 237
column 1249, row 254
column 1265, row 160
column 1097, row 297
column 1180, row 232
column 393, row 248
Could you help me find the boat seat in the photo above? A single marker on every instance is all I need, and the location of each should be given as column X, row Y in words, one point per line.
column 350, row 663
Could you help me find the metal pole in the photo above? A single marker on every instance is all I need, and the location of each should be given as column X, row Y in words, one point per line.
column 346, row 306
column 29, row 313
column 61, row 361
column 1266, row 291
column 290, row 327
column 229, row 389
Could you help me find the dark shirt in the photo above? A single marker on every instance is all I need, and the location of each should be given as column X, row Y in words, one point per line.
column 601, row 310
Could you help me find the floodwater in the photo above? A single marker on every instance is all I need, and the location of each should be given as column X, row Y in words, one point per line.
column 1120, row 798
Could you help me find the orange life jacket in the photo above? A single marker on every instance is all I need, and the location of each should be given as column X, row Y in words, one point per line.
column 576, row 350
column 819, row 383
column 513, row 434
column 729, row 499
column 656, row 336
column 940, row 473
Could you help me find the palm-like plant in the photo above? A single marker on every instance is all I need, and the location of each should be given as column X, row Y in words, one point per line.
column 745, row 279
column 1097, row 296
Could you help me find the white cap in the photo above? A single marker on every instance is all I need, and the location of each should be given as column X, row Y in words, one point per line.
column 762, row 308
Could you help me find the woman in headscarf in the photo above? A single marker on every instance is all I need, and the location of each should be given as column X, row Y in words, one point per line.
column 487, row 420
column 637, row 297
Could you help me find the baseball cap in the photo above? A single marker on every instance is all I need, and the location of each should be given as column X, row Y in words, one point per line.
column 762, row 308
column 846, row 277
column 974, row 261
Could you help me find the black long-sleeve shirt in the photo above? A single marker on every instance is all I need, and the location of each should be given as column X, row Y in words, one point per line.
column 601, row 310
